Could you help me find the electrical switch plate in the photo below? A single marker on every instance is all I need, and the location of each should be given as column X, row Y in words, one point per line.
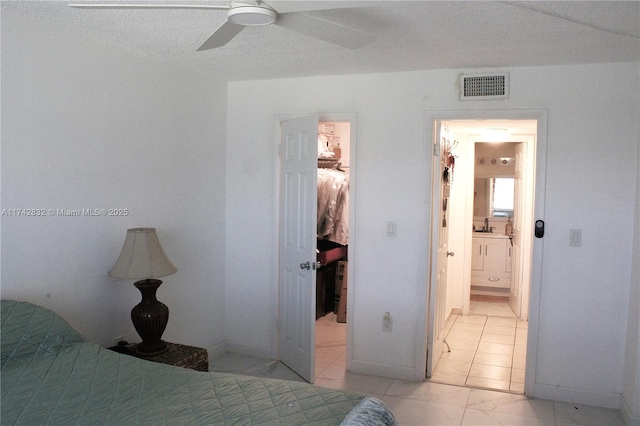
column 387, row 322
column 575, row 237
column 392, row 227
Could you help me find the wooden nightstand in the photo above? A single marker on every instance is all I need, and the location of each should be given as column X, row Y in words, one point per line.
column 179, row 355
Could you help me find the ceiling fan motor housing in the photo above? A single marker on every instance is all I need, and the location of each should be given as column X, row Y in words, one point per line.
column 251, row 15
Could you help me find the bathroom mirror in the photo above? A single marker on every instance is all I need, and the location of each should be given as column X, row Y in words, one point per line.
column 493, row 197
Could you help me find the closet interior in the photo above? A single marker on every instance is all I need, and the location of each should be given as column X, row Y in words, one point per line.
column 333, row 219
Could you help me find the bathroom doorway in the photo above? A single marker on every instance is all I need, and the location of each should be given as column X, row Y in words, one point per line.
column 486, row 335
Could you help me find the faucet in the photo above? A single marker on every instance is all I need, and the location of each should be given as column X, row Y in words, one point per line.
column 486, row 225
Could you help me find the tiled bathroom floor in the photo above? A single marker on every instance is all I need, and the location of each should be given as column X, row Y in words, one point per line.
column 422, row 403
column 488, row 349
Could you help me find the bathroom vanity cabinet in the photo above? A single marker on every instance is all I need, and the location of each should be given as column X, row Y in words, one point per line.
column 491, row 265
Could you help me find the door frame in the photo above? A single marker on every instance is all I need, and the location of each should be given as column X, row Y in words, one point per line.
column 344, row 117
column 430, row 118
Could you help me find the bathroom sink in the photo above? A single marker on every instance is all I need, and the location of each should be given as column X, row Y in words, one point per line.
column 489, row 234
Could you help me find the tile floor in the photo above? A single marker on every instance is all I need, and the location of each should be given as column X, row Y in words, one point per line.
column 488, row 349
column 421, row 403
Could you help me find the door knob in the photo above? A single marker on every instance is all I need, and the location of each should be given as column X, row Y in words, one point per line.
column 450, row 253
column 309, row 265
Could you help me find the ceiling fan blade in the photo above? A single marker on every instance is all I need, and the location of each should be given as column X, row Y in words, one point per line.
column 288, row 6
column 144, row 6
column 325, row 30
column 221, row 36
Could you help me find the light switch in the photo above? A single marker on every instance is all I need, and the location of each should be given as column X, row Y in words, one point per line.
column 391, row 228
column 575, row 237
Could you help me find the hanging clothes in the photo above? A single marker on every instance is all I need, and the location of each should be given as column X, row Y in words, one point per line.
column 333, row 206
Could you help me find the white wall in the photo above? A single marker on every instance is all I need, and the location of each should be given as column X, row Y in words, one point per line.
column 85, row 125
column 590, row 185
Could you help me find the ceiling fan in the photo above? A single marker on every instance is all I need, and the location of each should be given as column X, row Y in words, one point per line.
column 249, row 13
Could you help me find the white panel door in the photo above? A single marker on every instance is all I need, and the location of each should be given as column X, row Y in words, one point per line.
column 517, row 276
column 297, row 266
column 439, row 250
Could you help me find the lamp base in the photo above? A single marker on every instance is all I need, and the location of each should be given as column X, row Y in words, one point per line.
column 150, row 318
column 150, row 352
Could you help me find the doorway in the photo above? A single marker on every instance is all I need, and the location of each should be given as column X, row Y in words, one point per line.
column 307, row 255
column 469, row 320
column 334, row 165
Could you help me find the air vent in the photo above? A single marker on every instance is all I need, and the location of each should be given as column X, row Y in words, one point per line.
column 484, row 86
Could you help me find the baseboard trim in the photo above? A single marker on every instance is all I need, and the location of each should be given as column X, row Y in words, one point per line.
column 382, row 370
column 217, row 350
column 577, row 396
column 257, row 351
column 630, row 419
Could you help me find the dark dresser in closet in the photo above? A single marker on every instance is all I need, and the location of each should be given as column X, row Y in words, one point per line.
column 329, row 256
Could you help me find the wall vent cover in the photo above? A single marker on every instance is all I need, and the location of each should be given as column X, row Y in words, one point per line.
column 484, row 86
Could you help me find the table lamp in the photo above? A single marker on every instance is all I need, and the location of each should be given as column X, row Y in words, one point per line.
column 142, row 258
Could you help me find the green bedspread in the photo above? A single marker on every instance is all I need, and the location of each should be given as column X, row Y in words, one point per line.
column 50, row 375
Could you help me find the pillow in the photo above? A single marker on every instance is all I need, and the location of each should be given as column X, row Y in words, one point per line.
column 29, row 331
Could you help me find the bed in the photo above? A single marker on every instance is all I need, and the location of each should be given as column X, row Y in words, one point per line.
column 52, row 375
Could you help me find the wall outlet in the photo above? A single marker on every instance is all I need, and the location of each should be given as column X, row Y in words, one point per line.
column 387, row 322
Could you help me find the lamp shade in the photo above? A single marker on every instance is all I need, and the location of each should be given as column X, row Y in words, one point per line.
column 142, row 257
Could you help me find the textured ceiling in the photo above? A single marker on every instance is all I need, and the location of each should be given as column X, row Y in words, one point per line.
column 409, row 35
